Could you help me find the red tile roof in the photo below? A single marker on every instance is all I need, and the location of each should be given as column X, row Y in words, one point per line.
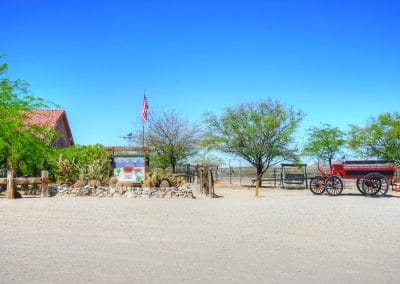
column 55, row 119
column 47, row 117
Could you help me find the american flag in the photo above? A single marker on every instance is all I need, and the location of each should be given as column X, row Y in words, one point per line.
column 145, row 106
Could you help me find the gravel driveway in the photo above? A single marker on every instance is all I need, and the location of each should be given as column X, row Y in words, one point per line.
column 284, row 236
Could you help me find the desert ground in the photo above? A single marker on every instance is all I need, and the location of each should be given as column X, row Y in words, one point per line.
column 283, row 236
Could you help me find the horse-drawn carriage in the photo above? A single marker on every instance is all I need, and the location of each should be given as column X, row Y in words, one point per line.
column 371, row 177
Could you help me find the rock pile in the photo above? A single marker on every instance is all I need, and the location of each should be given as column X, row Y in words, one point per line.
column 184, row 191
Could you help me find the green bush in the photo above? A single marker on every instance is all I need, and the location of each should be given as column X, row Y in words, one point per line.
column 83, row 163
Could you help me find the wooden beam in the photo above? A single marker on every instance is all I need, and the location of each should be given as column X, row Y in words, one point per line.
column 10, row 194
column 125, row 148
column 28, row 180
column 45, row 181
column 257, row 187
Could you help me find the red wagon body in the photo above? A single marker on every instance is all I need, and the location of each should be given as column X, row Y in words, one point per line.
column 372, row 177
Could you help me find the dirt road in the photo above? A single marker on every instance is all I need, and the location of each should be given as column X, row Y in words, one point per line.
column 285, row 236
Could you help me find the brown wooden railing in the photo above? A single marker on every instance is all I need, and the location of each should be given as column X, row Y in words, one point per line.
column 12, row 181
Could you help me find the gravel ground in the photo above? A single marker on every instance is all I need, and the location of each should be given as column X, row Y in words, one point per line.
column 284, row 236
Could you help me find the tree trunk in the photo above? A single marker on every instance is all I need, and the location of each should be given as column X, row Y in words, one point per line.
column 259, row 173
column 173, row 164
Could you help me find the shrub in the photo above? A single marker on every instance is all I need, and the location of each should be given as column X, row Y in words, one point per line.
column 83, row 163
column 155, row 178
column 149, row 181
column 93, row 171
column 113, row 181
column 65, row 170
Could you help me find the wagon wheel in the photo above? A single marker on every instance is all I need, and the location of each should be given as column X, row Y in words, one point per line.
column 333, row 185
column 317, row 185
column 374, row 183
column 359, row 186
column 384, row 188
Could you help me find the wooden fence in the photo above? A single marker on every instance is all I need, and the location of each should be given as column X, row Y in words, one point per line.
column 11, row 183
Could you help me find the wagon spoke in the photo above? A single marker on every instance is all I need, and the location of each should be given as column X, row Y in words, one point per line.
column 333, row 185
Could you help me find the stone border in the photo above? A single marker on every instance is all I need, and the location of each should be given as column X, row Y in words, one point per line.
column 129, row 192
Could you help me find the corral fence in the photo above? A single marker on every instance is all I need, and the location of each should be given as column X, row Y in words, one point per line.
column 11, row 183
column 276, row 176
column 234, row 175
column 202, row 177
column 189, row 171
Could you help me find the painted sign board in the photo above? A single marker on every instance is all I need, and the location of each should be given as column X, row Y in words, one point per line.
column 130, row 169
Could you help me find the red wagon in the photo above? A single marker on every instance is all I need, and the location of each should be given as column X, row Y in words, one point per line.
column 372, row 177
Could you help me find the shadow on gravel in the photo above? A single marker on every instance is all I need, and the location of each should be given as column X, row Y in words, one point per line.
column 217, row 196
column 371, row 196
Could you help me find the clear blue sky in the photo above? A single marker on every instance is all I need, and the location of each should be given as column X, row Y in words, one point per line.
column 338, row 61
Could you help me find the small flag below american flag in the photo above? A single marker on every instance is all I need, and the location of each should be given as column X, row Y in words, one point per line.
column 145, row 106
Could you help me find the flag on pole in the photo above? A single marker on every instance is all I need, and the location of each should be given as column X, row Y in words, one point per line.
column 145, row 106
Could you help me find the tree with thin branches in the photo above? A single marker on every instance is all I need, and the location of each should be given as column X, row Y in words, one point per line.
column 171, row 138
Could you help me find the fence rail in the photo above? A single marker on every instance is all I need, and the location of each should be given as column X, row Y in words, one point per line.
column 12, row 181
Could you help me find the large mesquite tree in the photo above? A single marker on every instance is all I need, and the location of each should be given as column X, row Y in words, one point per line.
column 260, row 133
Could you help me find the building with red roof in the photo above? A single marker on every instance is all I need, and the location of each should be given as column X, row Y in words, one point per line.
column 55, row 119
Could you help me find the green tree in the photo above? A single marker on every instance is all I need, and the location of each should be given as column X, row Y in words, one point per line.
column 260, row 133
column 159, row 160
column 324, row 142
column 380, row 138
column 22, row 148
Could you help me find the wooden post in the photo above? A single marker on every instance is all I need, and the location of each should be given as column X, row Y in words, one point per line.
column 210, row 183
column 10, row 185
column 205, row 181
column 201, row 181
column 197, row 184
column 305, row 174
column 45, row 181
column 257, row 187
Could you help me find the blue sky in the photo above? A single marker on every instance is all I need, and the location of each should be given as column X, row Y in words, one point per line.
column 337, row 61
